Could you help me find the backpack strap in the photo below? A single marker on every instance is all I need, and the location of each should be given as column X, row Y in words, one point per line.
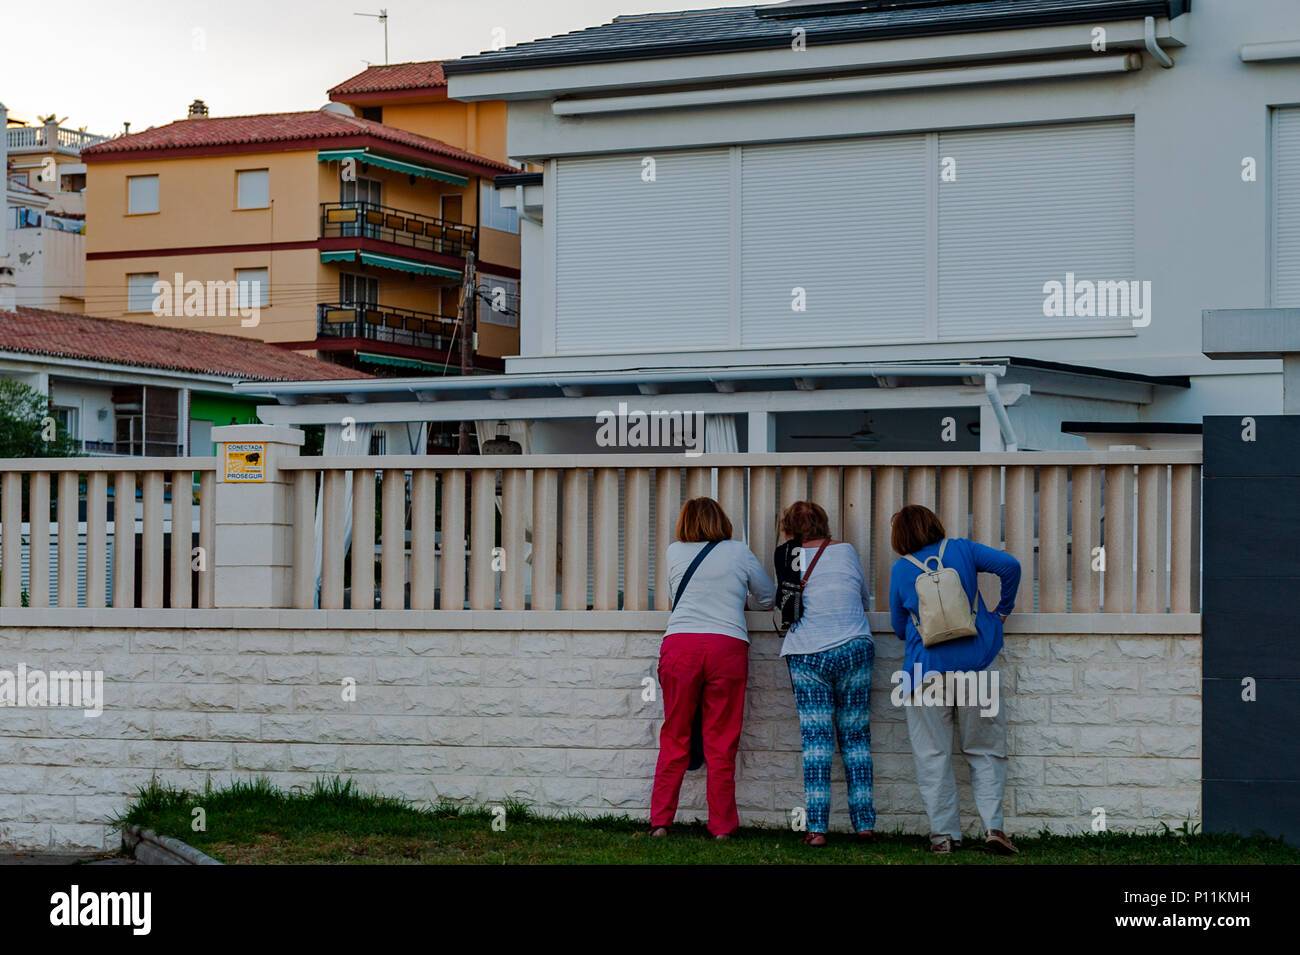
column 690, row 571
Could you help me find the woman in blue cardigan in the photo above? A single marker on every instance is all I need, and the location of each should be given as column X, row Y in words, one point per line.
column 935, row 703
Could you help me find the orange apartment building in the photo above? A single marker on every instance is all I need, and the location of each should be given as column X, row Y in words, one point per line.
column 346, row 229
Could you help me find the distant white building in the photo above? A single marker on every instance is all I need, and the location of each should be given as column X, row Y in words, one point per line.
column 45, row 213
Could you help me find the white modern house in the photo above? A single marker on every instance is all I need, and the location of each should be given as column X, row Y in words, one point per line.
column 820, row 223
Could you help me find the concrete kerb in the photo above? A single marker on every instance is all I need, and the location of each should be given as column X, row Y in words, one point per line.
column 149, row 848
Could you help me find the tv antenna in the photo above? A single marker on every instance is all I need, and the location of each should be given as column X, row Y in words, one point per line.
column 382, row 17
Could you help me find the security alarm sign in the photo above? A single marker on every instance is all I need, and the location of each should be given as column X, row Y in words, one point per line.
column 246, row 463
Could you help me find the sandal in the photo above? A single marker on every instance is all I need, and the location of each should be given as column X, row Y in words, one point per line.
column 659, row 832
column 813, row 838
column 867, row 836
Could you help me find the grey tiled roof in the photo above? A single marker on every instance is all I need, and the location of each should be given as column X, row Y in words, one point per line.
column 769, row 27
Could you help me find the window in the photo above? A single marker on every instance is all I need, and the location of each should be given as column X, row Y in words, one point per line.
column 254, row 287
column 498, row 301
column 139, row 291
column 141, row 195
column 491, row 215
column 358, row 289
column 252, row 189
column 361, row 189
column 66, row 418
column 373, row 113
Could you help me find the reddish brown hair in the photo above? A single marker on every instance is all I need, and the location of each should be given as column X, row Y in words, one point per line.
column 915, row 527
column 703, row 519
column 805, row 521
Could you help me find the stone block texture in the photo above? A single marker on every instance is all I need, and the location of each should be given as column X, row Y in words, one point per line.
column 565, row 720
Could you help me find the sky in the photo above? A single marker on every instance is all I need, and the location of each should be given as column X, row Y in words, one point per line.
column 102, row 63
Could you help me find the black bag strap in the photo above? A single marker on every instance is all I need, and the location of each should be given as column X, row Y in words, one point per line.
column 690, row 571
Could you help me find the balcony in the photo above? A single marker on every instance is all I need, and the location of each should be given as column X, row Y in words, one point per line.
column 395, row 227
column 40, row 139
column 385, row 324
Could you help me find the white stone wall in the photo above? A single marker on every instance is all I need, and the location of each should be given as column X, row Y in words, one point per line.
column 555, row 717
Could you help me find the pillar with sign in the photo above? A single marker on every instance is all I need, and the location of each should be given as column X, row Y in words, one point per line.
column 253, row 562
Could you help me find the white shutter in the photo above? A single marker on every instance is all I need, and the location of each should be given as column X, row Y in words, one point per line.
column 1286, row 207
column 846, row 222
column 642, row 265
column 1029, row 205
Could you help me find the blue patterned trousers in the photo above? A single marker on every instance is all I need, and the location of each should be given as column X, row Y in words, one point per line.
column 832, row 691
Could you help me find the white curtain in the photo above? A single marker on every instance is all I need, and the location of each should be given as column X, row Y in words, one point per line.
column 720, row 434
column 720, row 438
column 335, row 445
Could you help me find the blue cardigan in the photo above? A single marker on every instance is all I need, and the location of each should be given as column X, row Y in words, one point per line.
column 965, row 653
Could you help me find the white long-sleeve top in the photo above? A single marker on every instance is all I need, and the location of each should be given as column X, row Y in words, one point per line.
column 716, row 596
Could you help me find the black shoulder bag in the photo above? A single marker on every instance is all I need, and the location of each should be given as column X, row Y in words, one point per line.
column 789, row 590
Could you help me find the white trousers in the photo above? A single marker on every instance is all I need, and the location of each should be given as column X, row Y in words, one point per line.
column 983, row 741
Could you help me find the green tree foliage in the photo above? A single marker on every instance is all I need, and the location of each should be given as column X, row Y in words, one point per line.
column 27, row 429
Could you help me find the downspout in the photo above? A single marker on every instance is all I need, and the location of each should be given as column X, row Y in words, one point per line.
column 1153, row 48
column 1000, row 410
column 7, row 289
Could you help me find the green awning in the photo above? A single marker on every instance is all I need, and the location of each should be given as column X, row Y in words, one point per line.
column 387, row 162
column 389, row 262
column 404, row 362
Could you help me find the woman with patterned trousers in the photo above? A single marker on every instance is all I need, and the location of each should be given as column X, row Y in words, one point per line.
column 830, row 652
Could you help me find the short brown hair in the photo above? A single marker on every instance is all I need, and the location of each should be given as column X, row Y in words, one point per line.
column 703, row 519
column 915, row 527
column 805, row 521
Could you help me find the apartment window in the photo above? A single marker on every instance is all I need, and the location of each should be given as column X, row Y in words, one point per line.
column 141, row 195
column 361, row 189
column 254, row 287
column 252, row 188
column 358, row 289
column 139, row 291
column 499, row 301
column 491, row 213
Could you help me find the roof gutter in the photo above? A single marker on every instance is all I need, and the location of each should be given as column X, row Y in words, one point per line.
column 767, row 92
column 349, row 386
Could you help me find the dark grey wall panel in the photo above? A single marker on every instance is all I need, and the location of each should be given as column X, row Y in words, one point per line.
column 1251, row 806
column 1275, row 452
column 1250, row 740
column 1250, row 588
column 1248, row 621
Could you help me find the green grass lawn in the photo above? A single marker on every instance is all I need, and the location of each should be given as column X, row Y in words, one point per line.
column 334, row 823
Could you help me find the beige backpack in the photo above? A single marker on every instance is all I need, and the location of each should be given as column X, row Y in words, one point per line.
column 945, row 611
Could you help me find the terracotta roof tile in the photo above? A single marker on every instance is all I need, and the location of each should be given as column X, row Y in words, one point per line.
column 394, row 76
column 277, row 127
column 36, row 331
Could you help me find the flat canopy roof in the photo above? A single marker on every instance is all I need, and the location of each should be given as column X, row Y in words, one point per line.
column 668, row 381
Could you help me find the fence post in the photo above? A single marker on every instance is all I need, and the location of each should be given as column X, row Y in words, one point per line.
column 254, row 523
